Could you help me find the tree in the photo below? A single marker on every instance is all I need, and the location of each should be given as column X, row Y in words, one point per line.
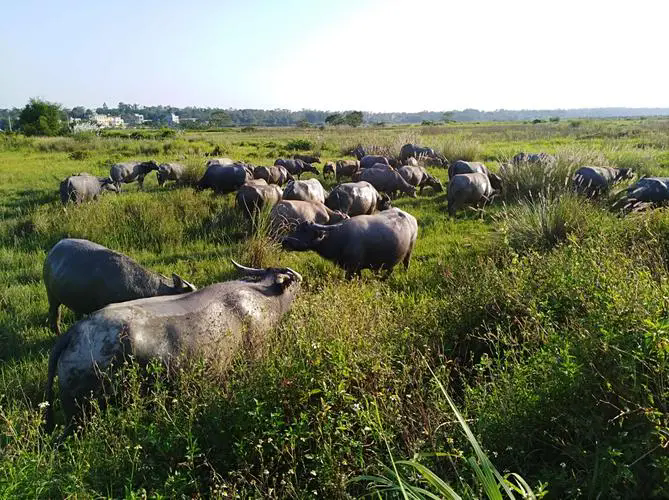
column 354, row 118
column 334, row 119
column 41, row 118
column 221, row 119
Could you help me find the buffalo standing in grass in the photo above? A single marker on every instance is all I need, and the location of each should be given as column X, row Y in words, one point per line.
column 644, row 193
column 593, row 181
column 377, row 242
column 469, row 189
column 370, row 160
column 289, row 213
column 296, row 167
column 252, row 198
column 535, row 158
column 420, row 178
column 84, row 187
column 85, row 277
column 413, row 151
column 342, row 168
column 169, row 172
column 125, row 173
column 225, row 179
column 309, row 190
column 357, row 198
column 307, row 158
column 386, row 181
column 211, row 324
column 273, row 175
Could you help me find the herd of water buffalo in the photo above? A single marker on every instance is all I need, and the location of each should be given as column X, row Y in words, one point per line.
column 134, row 311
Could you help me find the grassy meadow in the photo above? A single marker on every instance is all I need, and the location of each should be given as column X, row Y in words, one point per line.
column 545, row 318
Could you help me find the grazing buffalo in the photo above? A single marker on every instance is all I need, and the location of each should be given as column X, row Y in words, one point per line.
column 83, row 187
column 466, row 167
column 169, row 172
column 420, row 178
column 465, row 189
column 644, row 193
column 343, row 168
column 357, row 198
column 252, row 198
column 386, row 181
column 413, row 151
column 359, row 152
column 374, row 242
column 221, row 162
column 85, row 277
column 307, row 158
column 225, row 179
column 309, row 190
column 273, row 175
column 370, row 160
column 536, row 158
column 296, row 167
column 593, row 181
column 130, row 172
column 288, row 213
column 383, row 166
column 212, row 324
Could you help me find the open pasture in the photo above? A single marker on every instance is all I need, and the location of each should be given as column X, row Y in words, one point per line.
column 545, row 317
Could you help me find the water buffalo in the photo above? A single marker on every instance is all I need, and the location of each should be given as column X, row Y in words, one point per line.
column 288, row 213
column 343, row 168
column 593, row 181
column 370, row 160
column 225, row 179
column 644, row 193
column 85, row 277
column 411, row 162
column 357, row 198
column 466, row 189
column 256, row 182
column 383, row 166
column 307, row 158
column 221, row 162
column 83, row 187
column 130, row 172
column 420, row 178
column 169, row 172
column 466, row 167
column 309, row 190
column 251, row 198
column 374, row 242
column 386, row 181
column 536, row 158
column 413, row 151
column 273, row 175
column 359, row 152
column 211, row 324
column 296, row 167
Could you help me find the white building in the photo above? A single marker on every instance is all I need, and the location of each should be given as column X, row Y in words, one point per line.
column 106, row 121
column 173, row 119
column 136, row 119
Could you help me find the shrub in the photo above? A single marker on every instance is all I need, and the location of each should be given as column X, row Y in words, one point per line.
column 247, row 129
column 299, row 145
column 460, row 148
column 79, row 155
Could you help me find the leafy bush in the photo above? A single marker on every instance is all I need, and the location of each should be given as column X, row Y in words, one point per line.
column 78, row 155
column 460, row 148
column 299, row 145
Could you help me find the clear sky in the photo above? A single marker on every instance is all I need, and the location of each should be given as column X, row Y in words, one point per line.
column 373, row 55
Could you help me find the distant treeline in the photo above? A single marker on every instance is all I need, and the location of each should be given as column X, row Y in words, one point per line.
column 192, row 117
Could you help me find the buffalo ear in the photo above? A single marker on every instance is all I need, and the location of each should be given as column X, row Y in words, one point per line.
column 283, row 280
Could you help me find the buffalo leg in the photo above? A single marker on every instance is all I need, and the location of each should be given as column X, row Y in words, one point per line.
column 140, row 181
column 54, row 316
column 407, row 260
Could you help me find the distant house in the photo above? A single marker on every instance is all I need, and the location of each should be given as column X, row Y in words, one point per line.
column 136, row 119
column 173, row 119
column 106, row 121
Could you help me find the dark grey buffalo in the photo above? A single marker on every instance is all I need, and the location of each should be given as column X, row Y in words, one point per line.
column 307, row 158
column 359, row 152
column 420, row 178
column 535, row 158
column 357, row 198
column 472, row 167
column 383, row 166
column 212, row 324
column 419, row 153
column 125, row 173
column 309, row 190
column 644, row 193
column 374, row 242
column 386, row 181
column 343, row 168
column 370, row 160
column 252, row 198
column 289, row 213
column 468, row 189
column 83, row 187
column 169, row 172
column 85, row 277
column 593, row 181
column 296, row 167
column 273, row 175
column 226, row 178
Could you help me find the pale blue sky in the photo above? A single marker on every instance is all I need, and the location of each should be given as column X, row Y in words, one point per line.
column 392, row 55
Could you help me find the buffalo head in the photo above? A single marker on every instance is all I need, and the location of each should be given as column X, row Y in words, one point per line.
column 383, row 203
column 495, row 181
column 306, row 236
column 107, row 184
column 329, row 168
column 308, row 167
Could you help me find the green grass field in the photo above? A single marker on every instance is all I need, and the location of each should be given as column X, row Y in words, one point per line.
column 546, row 320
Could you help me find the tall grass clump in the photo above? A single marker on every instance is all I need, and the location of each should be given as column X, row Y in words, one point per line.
column 543, row 221
column 459, row 148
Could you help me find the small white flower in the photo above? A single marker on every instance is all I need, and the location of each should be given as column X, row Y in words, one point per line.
column 356, row 407
column 563, row 465
column 43, row 404
column 266, row 472
column 367, row 428
column 313, row 473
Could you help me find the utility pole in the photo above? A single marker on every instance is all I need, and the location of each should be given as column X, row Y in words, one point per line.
column 9, row 115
